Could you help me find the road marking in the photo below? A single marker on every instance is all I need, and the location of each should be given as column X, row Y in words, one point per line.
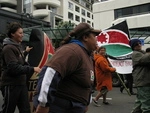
column 106, row 98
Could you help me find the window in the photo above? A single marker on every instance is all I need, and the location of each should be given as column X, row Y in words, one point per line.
column 88, row 6
column 27, row 1
column 134, row 10
column 77, row 9
column 118, row 13
column 82, row 2
column 83, row 12
column 70, row 16
column 144, row 8
column 92, row 24
column 88, row 22
column 77, row 18
column 83, row 20
column 88, row 14
column 70, row 5
column 77, row 1
column 53, row 9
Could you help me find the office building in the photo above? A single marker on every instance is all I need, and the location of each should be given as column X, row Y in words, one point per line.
column 135, row 12
column 52, row 11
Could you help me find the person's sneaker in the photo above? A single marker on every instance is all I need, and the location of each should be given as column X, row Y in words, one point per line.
column 132, row 93
column 106, row 103
column 96, row 103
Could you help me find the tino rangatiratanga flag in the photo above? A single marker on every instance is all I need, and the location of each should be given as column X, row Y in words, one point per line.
column 116, row 41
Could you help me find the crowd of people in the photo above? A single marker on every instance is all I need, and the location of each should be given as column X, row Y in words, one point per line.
column 65, row 81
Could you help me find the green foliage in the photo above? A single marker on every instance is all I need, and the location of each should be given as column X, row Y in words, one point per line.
column 65, row 24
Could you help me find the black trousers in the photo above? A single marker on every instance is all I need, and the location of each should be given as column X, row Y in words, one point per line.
column 15, row 96
column 129, row 83
column 129, row 78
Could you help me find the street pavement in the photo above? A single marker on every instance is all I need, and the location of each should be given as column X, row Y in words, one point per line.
column 120, row 103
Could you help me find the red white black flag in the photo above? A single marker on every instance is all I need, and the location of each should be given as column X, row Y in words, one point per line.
column 116, row 41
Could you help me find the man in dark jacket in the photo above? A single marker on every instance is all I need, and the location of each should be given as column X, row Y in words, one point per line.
column 141, row 75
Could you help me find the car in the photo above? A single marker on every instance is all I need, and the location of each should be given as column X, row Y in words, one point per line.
column 115, row 80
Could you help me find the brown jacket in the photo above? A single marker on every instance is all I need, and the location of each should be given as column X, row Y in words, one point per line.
column 76, row 68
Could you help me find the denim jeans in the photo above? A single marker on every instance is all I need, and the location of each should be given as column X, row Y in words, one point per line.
column 142, row 103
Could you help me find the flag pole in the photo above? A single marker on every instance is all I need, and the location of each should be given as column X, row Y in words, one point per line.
column 123, row 84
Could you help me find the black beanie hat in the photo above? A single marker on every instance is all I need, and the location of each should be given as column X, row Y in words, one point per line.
column 133, row 42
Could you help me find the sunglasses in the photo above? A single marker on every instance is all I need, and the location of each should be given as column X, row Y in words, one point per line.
column 139, row 43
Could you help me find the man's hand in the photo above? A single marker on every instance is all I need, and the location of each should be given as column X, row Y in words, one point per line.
column 28, row 48
column 86, row 109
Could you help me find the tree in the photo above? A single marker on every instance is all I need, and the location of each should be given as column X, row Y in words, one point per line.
column 61, row 31
column 65, row 24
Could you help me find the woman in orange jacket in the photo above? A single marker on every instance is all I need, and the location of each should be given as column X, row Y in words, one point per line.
column 103, row 72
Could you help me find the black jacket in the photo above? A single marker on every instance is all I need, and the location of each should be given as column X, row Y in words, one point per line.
column 14, row 68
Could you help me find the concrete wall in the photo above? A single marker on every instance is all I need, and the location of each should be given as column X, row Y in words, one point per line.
column 104, row 13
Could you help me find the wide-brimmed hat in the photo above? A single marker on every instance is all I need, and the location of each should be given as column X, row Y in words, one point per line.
column 83, row 28
column 133, row 43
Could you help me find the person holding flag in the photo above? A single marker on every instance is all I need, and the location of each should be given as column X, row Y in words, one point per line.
column 103, row 70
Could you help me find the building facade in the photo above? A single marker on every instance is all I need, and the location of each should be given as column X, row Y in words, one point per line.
column 55, row 11
column 135, row 12
column 52, row 11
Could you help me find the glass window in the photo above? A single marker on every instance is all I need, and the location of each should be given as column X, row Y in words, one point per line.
column 135, row 10
column 88, row 22
column 27, row 1
column 70, row 5
column 118, row 13
column 144, row 8
column 70, row 15
column 77, row 8
column 82, row 2
column 88, row 6
column 77, row 1
column 127, row 11
column 92, row 24
column 83, row 20
column 53, row 9
column 83, row 12
column 88, row 14
column 77, row 18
